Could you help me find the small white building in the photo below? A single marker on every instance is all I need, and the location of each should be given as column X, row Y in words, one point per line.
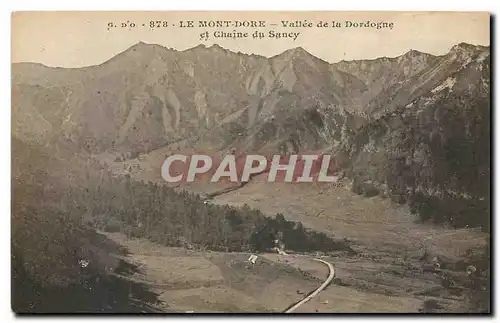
column 252, row 259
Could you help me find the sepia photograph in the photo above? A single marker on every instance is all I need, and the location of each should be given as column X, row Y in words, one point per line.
column 174, row 162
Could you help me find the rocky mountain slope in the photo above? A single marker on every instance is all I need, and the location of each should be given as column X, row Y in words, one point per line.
column 150, row 95
column 433, row 152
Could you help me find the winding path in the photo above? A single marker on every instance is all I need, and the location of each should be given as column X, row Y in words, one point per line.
column 306, row 299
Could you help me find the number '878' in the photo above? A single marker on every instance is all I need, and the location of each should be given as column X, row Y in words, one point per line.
column 158, row 23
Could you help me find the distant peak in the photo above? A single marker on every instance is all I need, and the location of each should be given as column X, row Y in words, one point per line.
column 196, row 48
column 217, row 47
column 298, row 51
column 413, row 52
column 141, row 44
column 213, row 47
column 465, row 47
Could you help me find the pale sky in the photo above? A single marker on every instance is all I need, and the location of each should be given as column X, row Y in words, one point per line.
column 75, row 39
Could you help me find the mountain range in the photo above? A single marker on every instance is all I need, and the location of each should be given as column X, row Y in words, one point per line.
column 404, row 126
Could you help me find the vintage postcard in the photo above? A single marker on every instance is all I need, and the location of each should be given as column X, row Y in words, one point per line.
column 251, row 162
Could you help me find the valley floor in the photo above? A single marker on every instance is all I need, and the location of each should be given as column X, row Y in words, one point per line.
column 187, row 280
column 387, row 274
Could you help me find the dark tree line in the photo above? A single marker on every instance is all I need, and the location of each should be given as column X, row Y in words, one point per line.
column 437, row 161
column 172, row 218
